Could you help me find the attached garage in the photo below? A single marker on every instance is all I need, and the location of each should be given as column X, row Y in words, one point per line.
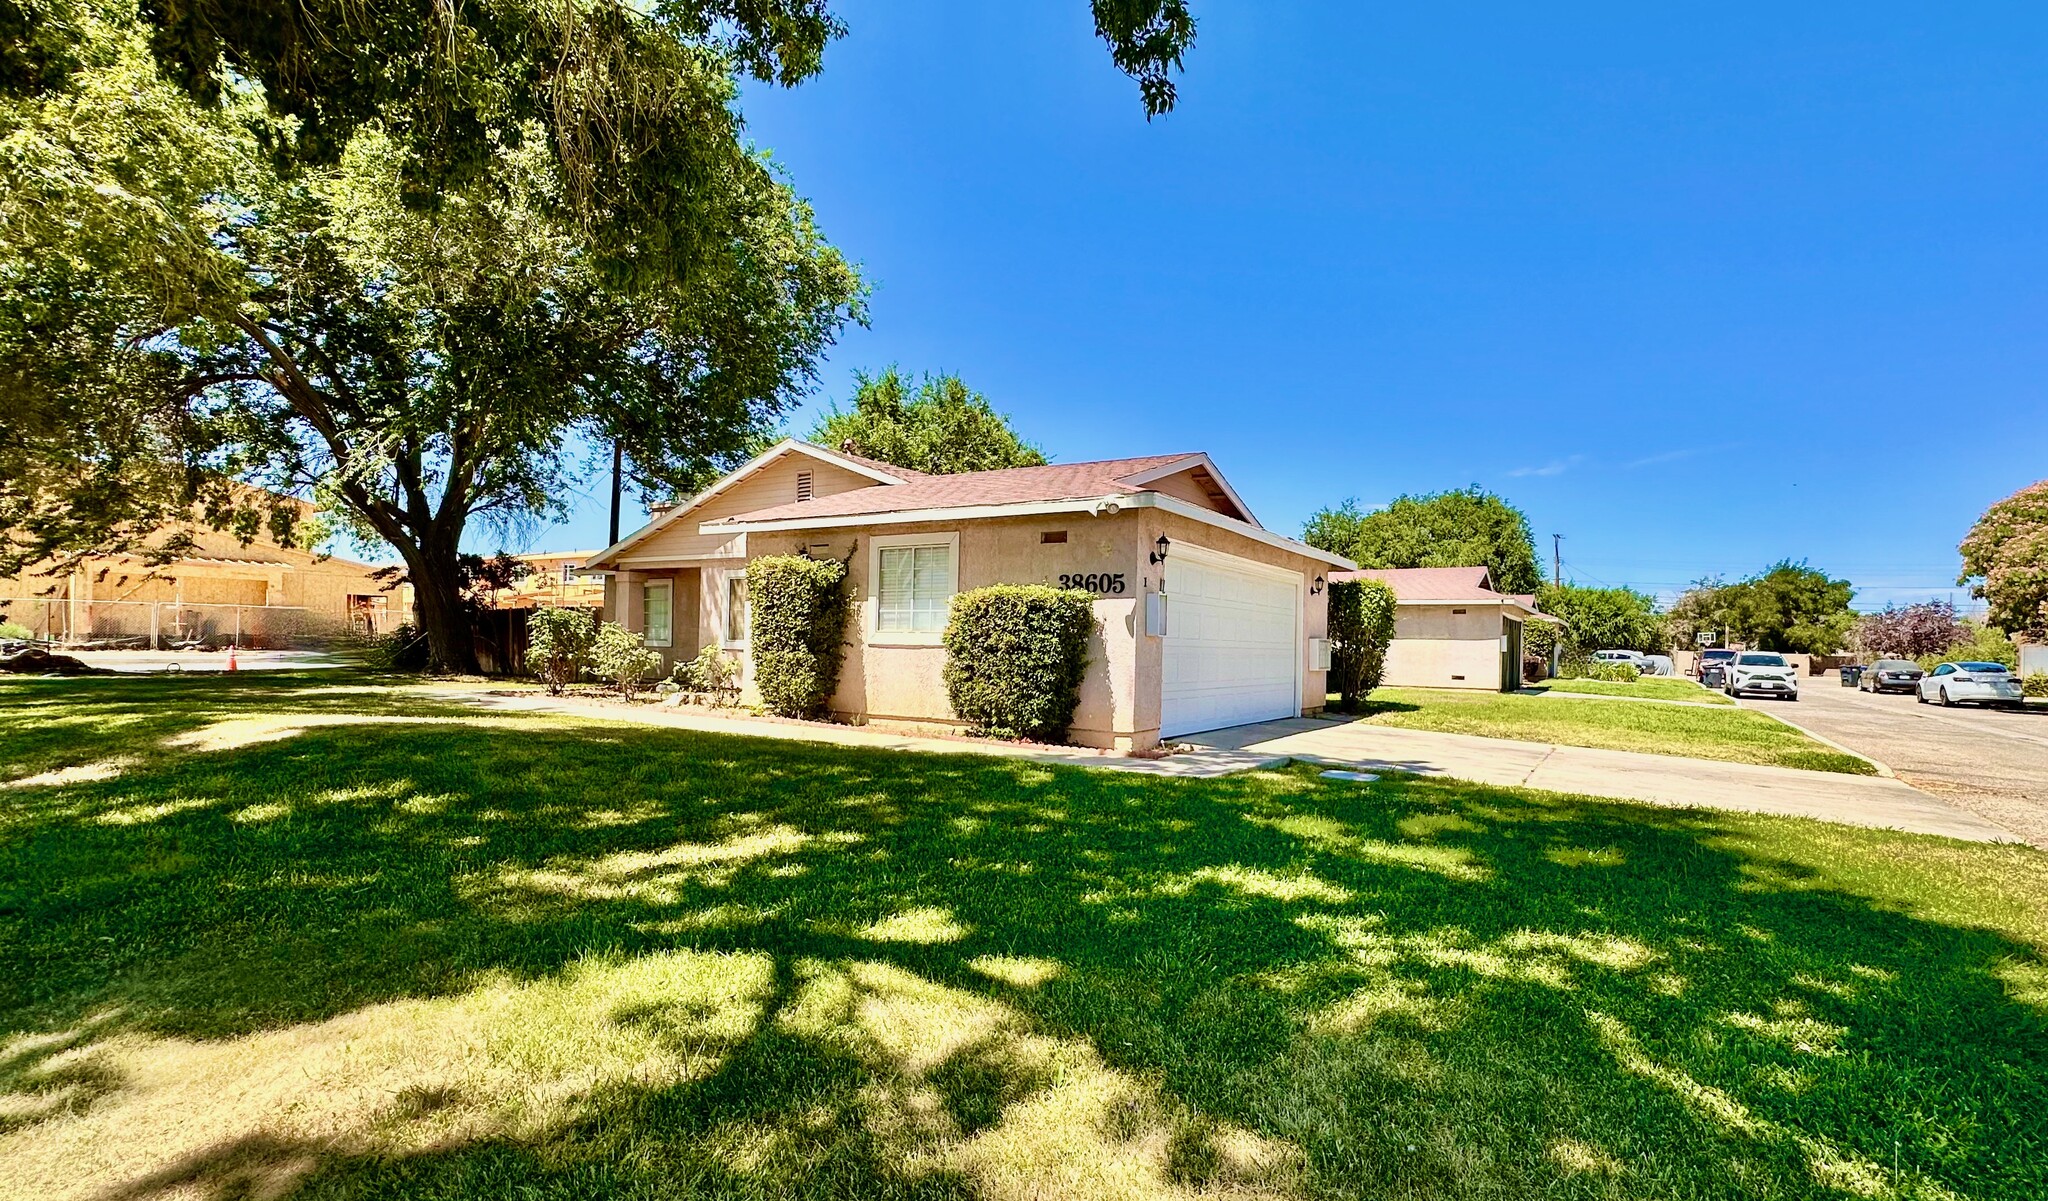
column 1232, row 650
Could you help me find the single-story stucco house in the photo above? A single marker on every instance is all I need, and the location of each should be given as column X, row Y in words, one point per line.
column 1452, row 630
column 1238, row 636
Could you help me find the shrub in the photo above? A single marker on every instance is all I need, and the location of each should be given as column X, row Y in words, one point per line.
column 1361, row 626
column 1616, row 673
column 798, row 631
column 558, row 645
column 621, row 656
column 1979, row 644
column 712, row 673
column 1015, row 655
column 2035, row 684
column 13, row 632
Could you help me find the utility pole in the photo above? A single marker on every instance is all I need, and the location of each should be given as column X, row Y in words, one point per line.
column 618, row 464
column 1556, row 552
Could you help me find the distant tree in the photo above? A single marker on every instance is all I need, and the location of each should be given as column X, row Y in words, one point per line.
column 2005, row 560
column 1700, row 609
column 1605, row 618
column 1466, row 527
column 939, row 426
column 1789, row 607
column 1910, row 631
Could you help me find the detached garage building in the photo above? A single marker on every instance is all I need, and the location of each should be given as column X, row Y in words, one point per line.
column 1204, row 618
column 1452, row 630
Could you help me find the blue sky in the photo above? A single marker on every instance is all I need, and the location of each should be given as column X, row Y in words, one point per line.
column 1699, row 287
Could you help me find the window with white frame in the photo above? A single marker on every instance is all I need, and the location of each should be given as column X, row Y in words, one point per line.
column 915, row 576
column 657, row 599
column 736, row 609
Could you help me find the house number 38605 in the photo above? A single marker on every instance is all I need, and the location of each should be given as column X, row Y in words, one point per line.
column 1106, row 582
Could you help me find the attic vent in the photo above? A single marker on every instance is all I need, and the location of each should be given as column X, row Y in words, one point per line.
column 803, row 485
column 1457, row 611
column 1051, row 537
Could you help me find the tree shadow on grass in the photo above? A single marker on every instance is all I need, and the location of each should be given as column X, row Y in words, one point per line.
column 721, row 966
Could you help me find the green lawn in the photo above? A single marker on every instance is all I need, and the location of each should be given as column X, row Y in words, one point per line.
column 1735, row 735
column 267, row 938
column 1656, row 688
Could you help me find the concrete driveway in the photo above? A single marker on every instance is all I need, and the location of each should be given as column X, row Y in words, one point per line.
column 1992, row 762
column 1622, row 775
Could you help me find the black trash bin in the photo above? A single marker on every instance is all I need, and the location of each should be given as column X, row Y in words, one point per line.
column 1852, row 675
column 1713, row 675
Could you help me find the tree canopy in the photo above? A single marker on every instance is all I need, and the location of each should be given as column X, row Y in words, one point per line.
column 1910, row 631
column 186, row 311
column 2005, row 560
column 1598, row 619
column 1467, row 527
column 939, row 425
column 1789, row 607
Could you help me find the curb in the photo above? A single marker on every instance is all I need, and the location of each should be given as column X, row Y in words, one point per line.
column 1883, row 770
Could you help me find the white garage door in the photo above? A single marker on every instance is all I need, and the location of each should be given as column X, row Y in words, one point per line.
column 1231, row 647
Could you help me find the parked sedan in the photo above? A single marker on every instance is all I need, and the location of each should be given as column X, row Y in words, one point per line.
column 1970, row 683
column 1763, row 672
column 1890, row 675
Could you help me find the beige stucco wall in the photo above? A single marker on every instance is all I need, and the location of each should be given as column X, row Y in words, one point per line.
column 888, row 678
column 1434, row 645
column 891, row 679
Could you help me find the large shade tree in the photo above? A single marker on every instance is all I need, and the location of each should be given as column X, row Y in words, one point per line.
column 1465, row 527
column 2005, row 561
column 1788, row 607
column 183, row 305
column 937, row 425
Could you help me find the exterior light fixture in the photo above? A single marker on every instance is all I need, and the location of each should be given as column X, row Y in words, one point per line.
column 1164, row 544
column 1316, row 588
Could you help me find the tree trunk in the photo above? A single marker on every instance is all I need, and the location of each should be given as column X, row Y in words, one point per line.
column 438, row 607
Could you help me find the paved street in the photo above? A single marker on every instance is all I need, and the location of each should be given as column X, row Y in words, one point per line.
column 1991, row 762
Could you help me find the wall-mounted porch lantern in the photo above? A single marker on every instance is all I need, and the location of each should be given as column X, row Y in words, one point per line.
column 1163, row 545
column 1316, row 588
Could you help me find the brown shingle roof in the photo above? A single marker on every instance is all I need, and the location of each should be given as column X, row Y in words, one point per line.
column 1429, row 583
column 1011, row 485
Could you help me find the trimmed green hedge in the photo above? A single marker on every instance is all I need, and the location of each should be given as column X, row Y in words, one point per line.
column 1361, row 626
column 798, row 632
column 1015, row 655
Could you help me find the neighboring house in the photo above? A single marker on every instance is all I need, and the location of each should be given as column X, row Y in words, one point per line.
column 557, row 581
column 1243, row 620
column 1452, row 630
column 223, row 591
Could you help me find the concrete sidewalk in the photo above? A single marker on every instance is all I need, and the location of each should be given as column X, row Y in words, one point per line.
column 1219, row 761
column 1621, row 775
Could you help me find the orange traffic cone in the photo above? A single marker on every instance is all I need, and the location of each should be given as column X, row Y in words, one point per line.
column 231, row 658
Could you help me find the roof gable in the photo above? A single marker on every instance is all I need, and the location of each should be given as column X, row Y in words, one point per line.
column 1431, row 583
column 878, row 472
column 1026, row 485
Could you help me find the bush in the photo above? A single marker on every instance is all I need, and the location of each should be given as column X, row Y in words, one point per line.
column 621, row 656
column 799, row 631
column 1584, row 667
column 558, row 645
column 403, row 649
column 712, row 673
column 1015, row 655
column 13, row 632
column 2036, row 684
column 1980, row 644
column 1361, row 626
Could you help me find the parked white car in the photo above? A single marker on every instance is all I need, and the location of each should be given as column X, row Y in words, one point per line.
column 1764, row 672
column 1971, row 683
column 1632, row 658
